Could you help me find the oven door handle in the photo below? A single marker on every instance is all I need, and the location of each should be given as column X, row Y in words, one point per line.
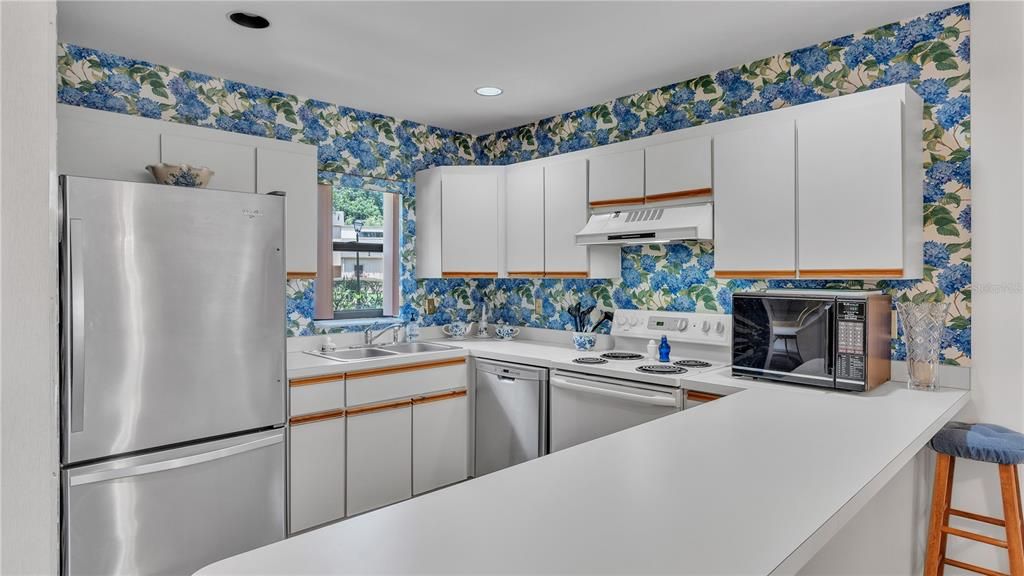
column 638, row 398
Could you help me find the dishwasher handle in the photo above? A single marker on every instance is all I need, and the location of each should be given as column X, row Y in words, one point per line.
column 575, row 386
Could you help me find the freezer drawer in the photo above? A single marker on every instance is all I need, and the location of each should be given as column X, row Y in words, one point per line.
column 175, row 511
column 152, row 277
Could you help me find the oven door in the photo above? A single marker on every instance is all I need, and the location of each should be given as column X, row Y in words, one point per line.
column 784, row 338
column 583, row 408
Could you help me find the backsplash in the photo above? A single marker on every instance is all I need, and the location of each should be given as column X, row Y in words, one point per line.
column 932, row 53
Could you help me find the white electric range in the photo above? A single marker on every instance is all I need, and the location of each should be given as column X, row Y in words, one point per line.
column 599, row 393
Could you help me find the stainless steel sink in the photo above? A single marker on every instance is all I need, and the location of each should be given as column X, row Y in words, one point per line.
column 414, row 347
column 357, row 353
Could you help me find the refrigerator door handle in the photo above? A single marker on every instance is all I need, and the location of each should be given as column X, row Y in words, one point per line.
column 77, row 384
column 104, row 475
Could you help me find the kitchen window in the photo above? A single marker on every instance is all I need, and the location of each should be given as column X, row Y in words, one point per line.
column 357, row 271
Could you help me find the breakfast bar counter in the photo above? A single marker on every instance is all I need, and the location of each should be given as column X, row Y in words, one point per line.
column 754, row 483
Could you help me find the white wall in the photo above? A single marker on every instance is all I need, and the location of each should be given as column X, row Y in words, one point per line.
column 997, row 154
column 28, row 281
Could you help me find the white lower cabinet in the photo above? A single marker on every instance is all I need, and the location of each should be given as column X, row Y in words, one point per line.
column 379, row 470
column 440, row 441
column 317, row 468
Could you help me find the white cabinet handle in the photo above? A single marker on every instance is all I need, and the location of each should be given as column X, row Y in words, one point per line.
column 658, row 400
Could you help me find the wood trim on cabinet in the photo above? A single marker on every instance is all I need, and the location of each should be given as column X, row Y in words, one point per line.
column 697, row 396
column 439, row 397
column 301, row 275
column 617, row 202
column 853, row 273
column 755, row 274
column 535, row 274
column 379, row 407
column 404, row 368
column 566, row 274
column 666, row 196
column 469, row 274
column 316, row 417
column 316, row 380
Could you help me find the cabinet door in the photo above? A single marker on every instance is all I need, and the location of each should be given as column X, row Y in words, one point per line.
column 295, row 175
column 524, row 213
column 678, row 170
column 617, row 178
column 316, row 454
column 379, row 467
column 755, row 202
column 233, row 165
column 440, row 441
column 851, row 193
column 469, row 224
column 99, row 148
column 565, row 213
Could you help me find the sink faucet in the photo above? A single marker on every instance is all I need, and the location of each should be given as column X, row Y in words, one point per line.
column 369, row 337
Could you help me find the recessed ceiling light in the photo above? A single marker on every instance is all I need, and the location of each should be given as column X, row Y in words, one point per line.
column 489, row 91
column 249, row 20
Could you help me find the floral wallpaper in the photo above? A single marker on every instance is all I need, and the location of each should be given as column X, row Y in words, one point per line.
column 349, row 141
column 931, row 52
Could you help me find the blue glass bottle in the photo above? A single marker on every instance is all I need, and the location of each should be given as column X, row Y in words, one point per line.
column 663, row 350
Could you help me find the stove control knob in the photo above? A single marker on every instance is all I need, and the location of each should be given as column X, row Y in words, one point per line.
column 705, row 326
column 632, row 321
column 684, row 324
column 621, row 320
column 720, row 328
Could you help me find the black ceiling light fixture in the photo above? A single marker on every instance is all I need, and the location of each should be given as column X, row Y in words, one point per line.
column 249, row 20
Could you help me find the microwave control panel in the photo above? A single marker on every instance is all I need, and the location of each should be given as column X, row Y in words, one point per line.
column 850, row 356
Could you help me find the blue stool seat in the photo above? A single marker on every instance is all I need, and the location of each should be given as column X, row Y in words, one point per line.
column 984, row 442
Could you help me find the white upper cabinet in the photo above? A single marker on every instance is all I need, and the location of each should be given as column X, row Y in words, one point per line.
column 524, row 220
column 678, row 170
column 852, row 196
column 295, row 175
column 617, row 178
column 88, row 145
column 565, row 213
column 755, row 195
column 233, row 165
column 469, row 224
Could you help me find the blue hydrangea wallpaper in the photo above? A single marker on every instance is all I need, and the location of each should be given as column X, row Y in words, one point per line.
column 931, row 52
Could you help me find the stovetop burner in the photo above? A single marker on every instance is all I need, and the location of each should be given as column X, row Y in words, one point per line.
column 622, row 356
column 692, row 364
column 660, row 369
column 590, row 360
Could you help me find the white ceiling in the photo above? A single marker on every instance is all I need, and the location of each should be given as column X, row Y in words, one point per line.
column 422, row 60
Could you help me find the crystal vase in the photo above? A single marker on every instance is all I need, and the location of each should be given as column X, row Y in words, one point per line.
column 922, row 332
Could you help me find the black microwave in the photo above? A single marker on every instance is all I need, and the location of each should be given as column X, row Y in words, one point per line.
column 829, row 338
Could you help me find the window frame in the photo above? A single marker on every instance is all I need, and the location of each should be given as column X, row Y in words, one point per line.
column 327, row 246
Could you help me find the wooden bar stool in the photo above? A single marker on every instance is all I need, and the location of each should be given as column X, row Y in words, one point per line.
column 985, row 443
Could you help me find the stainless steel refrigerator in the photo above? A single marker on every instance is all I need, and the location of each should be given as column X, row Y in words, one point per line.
column 173, row 376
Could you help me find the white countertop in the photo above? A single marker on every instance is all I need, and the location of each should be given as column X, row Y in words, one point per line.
column 754, row 483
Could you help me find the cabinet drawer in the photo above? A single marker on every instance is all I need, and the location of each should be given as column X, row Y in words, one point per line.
column 404, row 381
column 316, row 394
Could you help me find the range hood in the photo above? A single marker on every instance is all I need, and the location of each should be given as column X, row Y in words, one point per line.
column 649, row 225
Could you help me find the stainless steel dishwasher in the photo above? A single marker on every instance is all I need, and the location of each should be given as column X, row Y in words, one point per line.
column 511, row 415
